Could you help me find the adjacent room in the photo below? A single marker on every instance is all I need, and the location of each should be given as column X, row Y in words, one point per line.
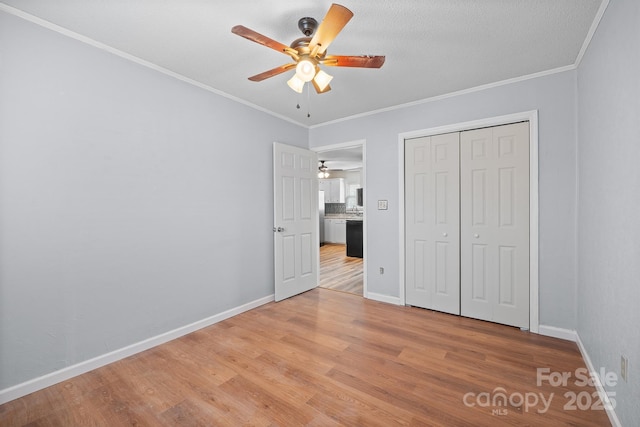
column 304, row 213
column 341, row 217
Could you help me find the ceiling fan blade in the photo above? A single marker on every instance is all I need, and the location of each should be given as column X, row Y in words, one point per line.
column 270, row 73
column 364, row 61
column 335, row 20
column 259, row 38
column 317, row 88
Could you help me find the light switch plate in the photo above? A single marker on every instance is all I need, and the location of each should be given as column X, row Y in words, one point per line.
column 382, row 205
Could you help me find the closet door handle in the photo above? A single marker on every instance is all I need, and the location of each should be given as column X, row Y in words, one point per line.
column 476, row 235
column 445, row 234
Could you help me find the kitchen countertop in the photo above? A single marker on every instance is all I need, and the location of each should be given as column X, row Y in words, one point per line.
column 344, row 216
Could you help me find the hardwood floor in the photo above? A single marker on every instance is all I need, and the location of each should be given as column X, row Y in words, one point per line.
column 340, row 272
column 324, row 358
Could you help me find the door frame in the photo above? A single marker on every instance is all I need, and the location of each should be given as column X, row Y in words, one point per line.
column 532, row 118
column 343, row 145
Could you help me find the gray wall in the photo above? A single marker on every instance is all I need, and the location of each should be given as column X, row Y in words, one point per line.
column 130, row 203
column 609, row 200
column 118, row 219
column 554, row 97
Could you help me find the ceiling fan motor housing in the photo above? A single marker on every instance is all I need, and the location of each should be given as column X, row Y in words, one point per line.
column 307, row 25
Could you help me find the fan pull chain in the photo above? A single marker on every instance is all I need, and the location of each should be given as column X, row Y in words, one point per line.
column 308, row 101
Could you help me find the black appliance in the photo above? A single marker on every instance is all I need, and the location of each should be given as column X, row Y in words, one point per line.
column 354, row 238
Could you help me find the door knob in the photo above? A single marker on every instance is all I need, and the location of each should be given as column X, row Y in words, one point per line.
column 445, row 234
column 278, row 229
column 476, row 235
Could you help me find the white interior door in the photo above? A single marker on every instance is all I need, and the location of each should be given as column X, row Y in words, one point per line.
column 295, row 227
column 432, row 223
column 494, row 212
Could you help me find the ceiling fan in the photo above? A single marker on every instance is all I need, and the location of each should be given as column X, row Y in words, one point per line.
column 323, row 171
column 310, row 51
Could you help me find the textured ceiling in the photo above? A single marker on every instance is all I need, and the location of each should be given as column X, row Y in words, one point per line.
column 432, row 47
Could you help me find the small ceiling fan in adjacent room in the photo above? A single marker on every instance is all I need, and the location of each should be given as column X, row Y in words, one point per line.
column 323, row 171
column 310, row 51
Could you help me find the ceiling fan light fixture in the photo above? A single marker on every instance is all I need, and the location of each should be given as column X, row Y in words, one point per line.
column 309, row 51
column 322, row 79
column 322, row 170
column 295, row 83
column 306, row 69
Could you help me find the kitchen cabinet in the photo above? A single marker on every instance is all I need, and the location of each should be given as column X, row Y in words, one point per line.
column 323, row 185
column 336, row 190
column 328, row 231
column 340, row 230
column 335, row 231
column 333, row 190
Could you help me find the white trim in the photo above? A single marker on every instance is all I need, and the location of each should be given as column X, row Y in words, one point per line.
column 384, row 298
column 532, row 118
column 84, row 39
column 340, row 146
column 592, row 31
column 585, row 45
column 365, row 223
column 534, row 222
column 554, row 332
column 604, row 397
column 351, row 144
column 451, row 95
column 91, row 42
column 64, row 374
column 571, row 335
column 401, row 219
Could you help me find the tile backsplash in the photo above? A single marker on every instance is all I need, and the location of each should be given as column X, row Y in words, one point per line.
column 335, row 208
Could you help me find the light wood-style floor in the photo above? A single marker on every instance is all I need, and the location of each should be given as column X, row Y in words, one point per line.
column 340, row 272
column 323, row 358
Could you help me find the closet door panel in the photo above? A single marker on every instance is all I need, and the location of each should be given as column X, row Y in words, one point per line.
column 494, row 226
column 432, row 223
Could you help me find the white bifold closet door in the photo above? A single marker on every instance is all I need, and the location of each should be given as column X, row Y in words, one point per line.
column 494, row 224
column 432, row 222
column 467, row 223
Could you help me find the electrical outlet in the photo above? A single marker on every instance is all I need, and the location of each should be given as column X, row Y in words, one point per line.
column 381, row 270
column 624, row 367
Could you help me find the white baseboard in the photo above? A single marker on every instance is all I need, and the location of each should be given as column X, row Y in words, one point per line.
column 383, row 298
column 64, row 374
column 571, row 335
column 552, row 331
column 611, row 413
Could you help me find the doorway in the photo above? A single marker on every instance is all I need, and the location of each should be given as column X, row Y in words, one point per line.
column 342, row 255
